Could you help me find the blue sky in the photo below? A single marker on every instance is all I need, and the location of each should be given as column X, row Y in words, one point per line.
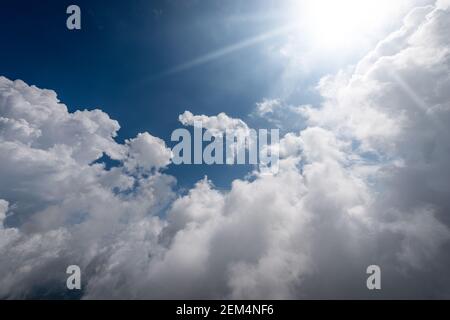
column 118, row 62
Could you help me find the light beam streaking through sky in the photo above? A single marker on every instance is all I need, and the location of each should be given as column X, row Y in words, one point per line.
column 214, row 55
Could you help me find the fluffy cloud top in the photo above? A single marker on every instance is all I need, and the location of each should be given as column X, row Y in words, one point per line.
column 215, row 124
column 267, row 106
column 367, row 182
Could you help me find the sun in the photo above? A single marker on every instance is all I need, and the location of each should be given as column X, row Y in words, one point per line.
column 336, row 24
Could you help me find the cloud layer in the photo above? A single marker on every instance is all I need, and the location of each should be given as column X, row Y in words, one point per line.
column 367, row 182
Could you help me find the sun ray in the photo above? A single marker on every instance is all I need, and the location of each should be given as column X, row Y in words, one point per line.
column 214, row 55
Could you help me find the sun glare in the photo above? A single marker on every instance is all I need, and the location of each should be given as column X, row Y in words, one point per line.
column 335, row 24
